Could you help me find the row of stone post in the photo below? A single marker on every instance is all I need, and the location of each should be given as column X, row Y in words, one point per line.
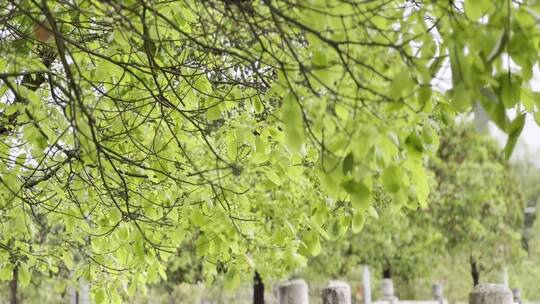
column 338, row 292
column 296, row 292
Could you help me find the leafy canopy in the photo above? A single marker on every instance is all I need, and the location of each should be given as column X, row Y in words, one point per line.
column 246, row 129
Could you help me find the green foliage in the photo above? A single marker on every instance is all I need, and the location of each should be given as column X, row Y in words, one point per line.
column 249, row 130
column 478, row 199
column 529, row 176
column 474, row 214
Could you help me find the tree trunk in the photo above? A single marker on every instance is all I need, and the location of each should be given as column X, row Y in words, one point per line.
column 387, row 272
column 258, row 289
column 13, row 285
column 475, row 272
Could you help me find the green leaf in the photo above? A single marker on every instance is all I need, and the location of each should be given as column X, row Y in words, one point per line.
column 337, row 227
column 100, row 295
column 204, row 245
column 500, row 43
column 115, row 297
column 319, row 57
column 68, row 259
column 258, row 105
column 424, row 96
column 493, row 107
column 361, row 199
column 461, row 97
column 514, row 130
column 392, row 178
column 401, row 84
column 259, row 158
column 475, row 9
column 25, row 275
column 419, row 182
column 293, row 121
column 414, row 141
column 138, row 247
column 528, row 99
column 372, row 212
column 436, row 65
column 273, row 177
column 359, row 193
column 232, row 145
column 311, row 245
column 6, row 272
column 122, row 254
column 510, row 90
column 213, row 113
column 348, row 163
column 198, row 218
column 524, row 18
column 119, row 37
column 358, row 222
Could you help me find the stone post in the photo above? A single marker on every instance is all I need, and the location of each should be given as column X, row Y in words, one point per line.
column 438, row 294
column 516, row 293
column 487, row 293
column 336, row 292
column 366, row 281
column 387, row 288
column 293, row 292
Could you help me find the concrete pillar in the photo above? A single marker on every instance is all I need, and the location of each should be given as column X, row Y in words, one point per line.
column 337, row 292
column 487, row 293
column 387, row 289
column 516, row 293
column 293, row 292
column 438, row 293
column 366, row 280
